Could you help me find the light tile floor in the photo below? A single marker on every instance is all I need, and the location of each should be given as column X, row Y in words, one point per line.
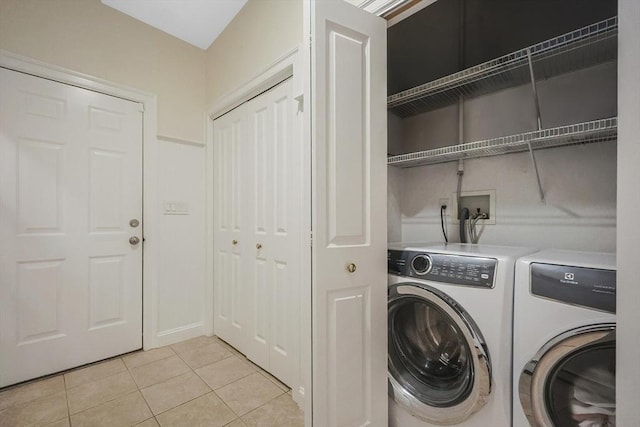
column 199, row 382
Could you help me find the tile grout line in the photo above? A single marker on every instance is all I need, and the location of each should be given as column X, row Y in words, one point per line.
column 238, row 417
column 279, row 383
column 100, row 379
column 257, row 407
column 232, row 353
column 199, row 377
column 214, row 390
column 66, row 398
column 216, row 340
column 33, row 382
column 264, row 404
column 183, row 403
column 148, row 363
column 216, row 395
column 140, row 391
column 167, row 379
column 138, row 388
column 258, row 370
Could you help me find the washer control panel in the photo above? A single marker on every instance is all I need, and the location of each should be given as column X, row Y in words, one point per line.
column 455, row 269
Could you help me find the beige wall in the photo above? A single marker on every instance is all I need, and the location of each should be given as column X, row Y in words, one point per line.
column 260, row 34
column 88, row 37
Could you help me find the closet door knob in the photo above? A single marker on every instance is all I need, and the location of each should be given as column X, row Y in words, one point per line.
column 258, row 246
column 351, row 267
column 234, row 242
column 134, row 240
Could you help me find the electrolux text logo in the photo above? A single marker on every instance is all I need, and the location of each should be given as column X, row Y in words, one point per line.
column 569, row 278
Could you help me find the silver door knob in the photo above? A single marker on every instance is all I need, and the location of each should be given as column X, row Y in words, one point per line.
column 351, row 267
column 134, row 240
column 134, row 223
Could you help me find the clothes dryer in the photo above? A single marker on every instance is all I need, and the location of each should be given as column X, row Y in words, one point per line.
column 564, row 340
column 449, row 330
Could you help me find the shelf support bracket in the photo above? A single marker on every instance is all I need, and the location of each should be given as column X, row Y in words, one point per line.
column 539, row 122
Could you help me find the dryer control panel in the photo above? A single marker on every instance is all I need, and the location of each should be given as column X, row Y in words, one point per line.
column 455, row 269
column 580, row 286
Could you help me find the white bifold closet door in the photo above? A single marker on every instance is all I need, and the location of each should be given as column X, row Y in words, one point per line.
column 70, row 183
column 349, row 269
column 258, row 230
column 230, row 232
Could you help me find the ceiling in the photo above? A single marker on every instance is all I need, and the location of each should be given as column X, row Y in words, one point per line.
column 197, row 22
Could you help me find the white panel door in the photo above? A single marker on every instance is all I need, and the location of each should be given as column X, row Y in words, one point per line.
column 70, row 182
column 232, row 239
column 274, row 198
column 349, row 295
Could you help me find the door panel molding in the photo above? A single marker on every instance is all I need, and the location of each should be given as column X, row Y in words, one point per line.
column 151, row 218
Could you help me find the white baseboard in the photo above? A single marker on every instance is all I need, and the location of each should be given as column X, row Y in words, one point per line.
column 181, row 333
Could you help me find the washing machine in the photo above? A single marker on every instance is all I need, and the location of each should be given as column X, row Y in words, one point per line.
column 564, row 339
column 449, row 331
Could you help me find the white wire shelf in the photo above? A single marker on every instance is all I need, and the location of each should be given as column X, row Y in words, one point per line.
column 579, row 133
column 582, row 48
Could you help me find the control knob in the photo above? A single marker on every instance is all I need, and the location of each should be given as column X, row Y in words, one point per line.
column 421, row 264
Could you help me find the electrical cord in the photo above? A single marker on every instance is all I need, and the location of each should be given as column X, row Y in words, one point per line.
column 463, row 214
column 444, row 231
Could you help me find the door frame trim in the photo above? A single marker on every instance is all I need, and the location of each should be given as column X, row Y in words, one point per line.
column 289, row 65
column 285, row 67
column 150, row 218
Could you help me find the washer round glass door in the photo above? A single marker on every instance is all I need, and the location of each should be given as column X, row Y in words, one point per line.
column 571, row 381
column 438, row 363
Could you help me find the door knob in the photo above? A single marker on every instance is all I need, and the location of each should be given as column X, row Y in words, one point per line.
column 134, row 240
column 258, row 245
column 234, row 242
column 351, row 267
column 134, row 223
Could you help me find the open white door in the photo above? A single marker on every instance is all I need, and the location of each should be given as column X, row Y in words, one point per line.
column 349, row 179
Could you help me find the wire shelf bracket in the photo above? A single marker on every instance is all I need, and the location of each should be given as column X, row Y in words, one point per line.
column 539, row 122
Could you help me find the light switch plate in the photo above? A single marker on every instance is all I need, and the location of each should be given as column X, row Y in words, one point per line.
column 175, row 208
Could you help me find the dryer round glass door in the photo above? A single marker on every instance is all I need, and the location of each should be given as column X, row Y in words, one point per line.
column 571, row 381
column 438, row 363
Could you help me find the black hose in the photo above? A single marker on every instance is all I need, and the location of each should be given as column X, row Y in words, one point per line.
column 464, row 216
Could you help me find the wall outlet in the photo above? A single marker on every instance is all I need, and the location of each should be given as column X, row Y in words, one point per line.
column 444, row 202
